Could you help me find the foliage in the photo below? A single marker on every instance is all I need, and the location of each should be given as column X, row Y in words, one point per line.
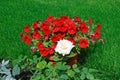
column 42, row 70
column 27, row 63
column 60, row 71
column 8, row 73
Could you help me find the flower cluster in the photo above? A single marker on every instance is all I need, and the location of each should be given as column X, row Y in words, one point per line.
column 61, row 35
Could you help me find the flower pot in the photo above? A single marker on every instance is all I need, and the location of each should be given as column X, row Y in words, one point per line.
column 70, row 61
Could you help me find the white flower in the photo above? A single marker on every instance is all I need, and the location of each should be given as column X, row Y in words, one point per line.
column 64, row 47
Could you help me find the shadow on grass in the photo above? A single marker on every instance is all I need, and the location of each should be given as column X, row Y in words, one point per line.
column 84, row 53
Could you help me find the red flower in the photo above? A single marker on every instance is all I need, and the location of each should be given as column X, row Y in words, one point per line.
column 71, row 39
column 21, row 34
column 69, row 22
column 98, row 27
column 40, row 45
column 26, row 39
column 35, row 25
column 97, row 34
column 49, row 18
column 46, row 30
column 26, row 29
column 44, row 52
column 55, row 29
column 36, row 35
column 63, row 28
column 84, row 29
column 72, row 29
column 57, row 37
column 57, row 22
column 82, row 24
column 77, row 19
column 83, row 43
column 60, row 35
column 50, row 50
column 54, row 38
column 90, row 21
column 43, row 24
column 53, row 46
column 63, row 18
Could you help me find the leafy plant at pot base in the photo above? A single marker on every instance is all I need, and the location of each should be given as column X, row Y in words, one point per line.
column 24, row 72
column 62, row 72
column 36, row 68
column 27, row 65
column 61, row 37
column 8, row 73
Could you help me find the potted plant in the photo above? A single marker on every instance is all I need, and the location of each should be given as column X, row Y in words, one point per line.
column 61, row 39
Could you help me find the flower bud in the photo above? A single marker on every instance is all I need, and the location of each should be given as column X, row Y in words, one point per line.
column 93, row 41
column 46, row 37
column 33, row 49
column 103, row 41
column 92, row 35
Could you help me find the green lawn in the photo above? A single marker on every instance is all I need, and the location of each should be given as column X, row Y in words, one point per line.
column 14, row 14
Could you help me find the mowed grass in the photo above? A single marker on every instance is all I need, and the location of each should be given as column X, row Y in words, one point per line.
column 14, row 14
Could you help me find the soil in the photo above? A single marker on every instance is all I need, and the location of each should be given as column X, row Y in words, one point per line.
column 24, row 75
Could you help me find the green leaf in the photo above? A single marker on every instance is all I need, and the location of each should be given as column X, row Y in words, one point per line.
column 16, row 70
column 82, row 77
column 14, row 62
column 41, row 65
column 56, row 58
column 70, row 73
column 62, row 66
column 18, row 60
column 49, row 64
column 76, row 70
column 47, row 43
column 93, row 70
column 71, row 54
column 77, row 48
column 90, row 76
column 74, row 66
column 3, row 78
column 85, row 70
column 63, row 76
